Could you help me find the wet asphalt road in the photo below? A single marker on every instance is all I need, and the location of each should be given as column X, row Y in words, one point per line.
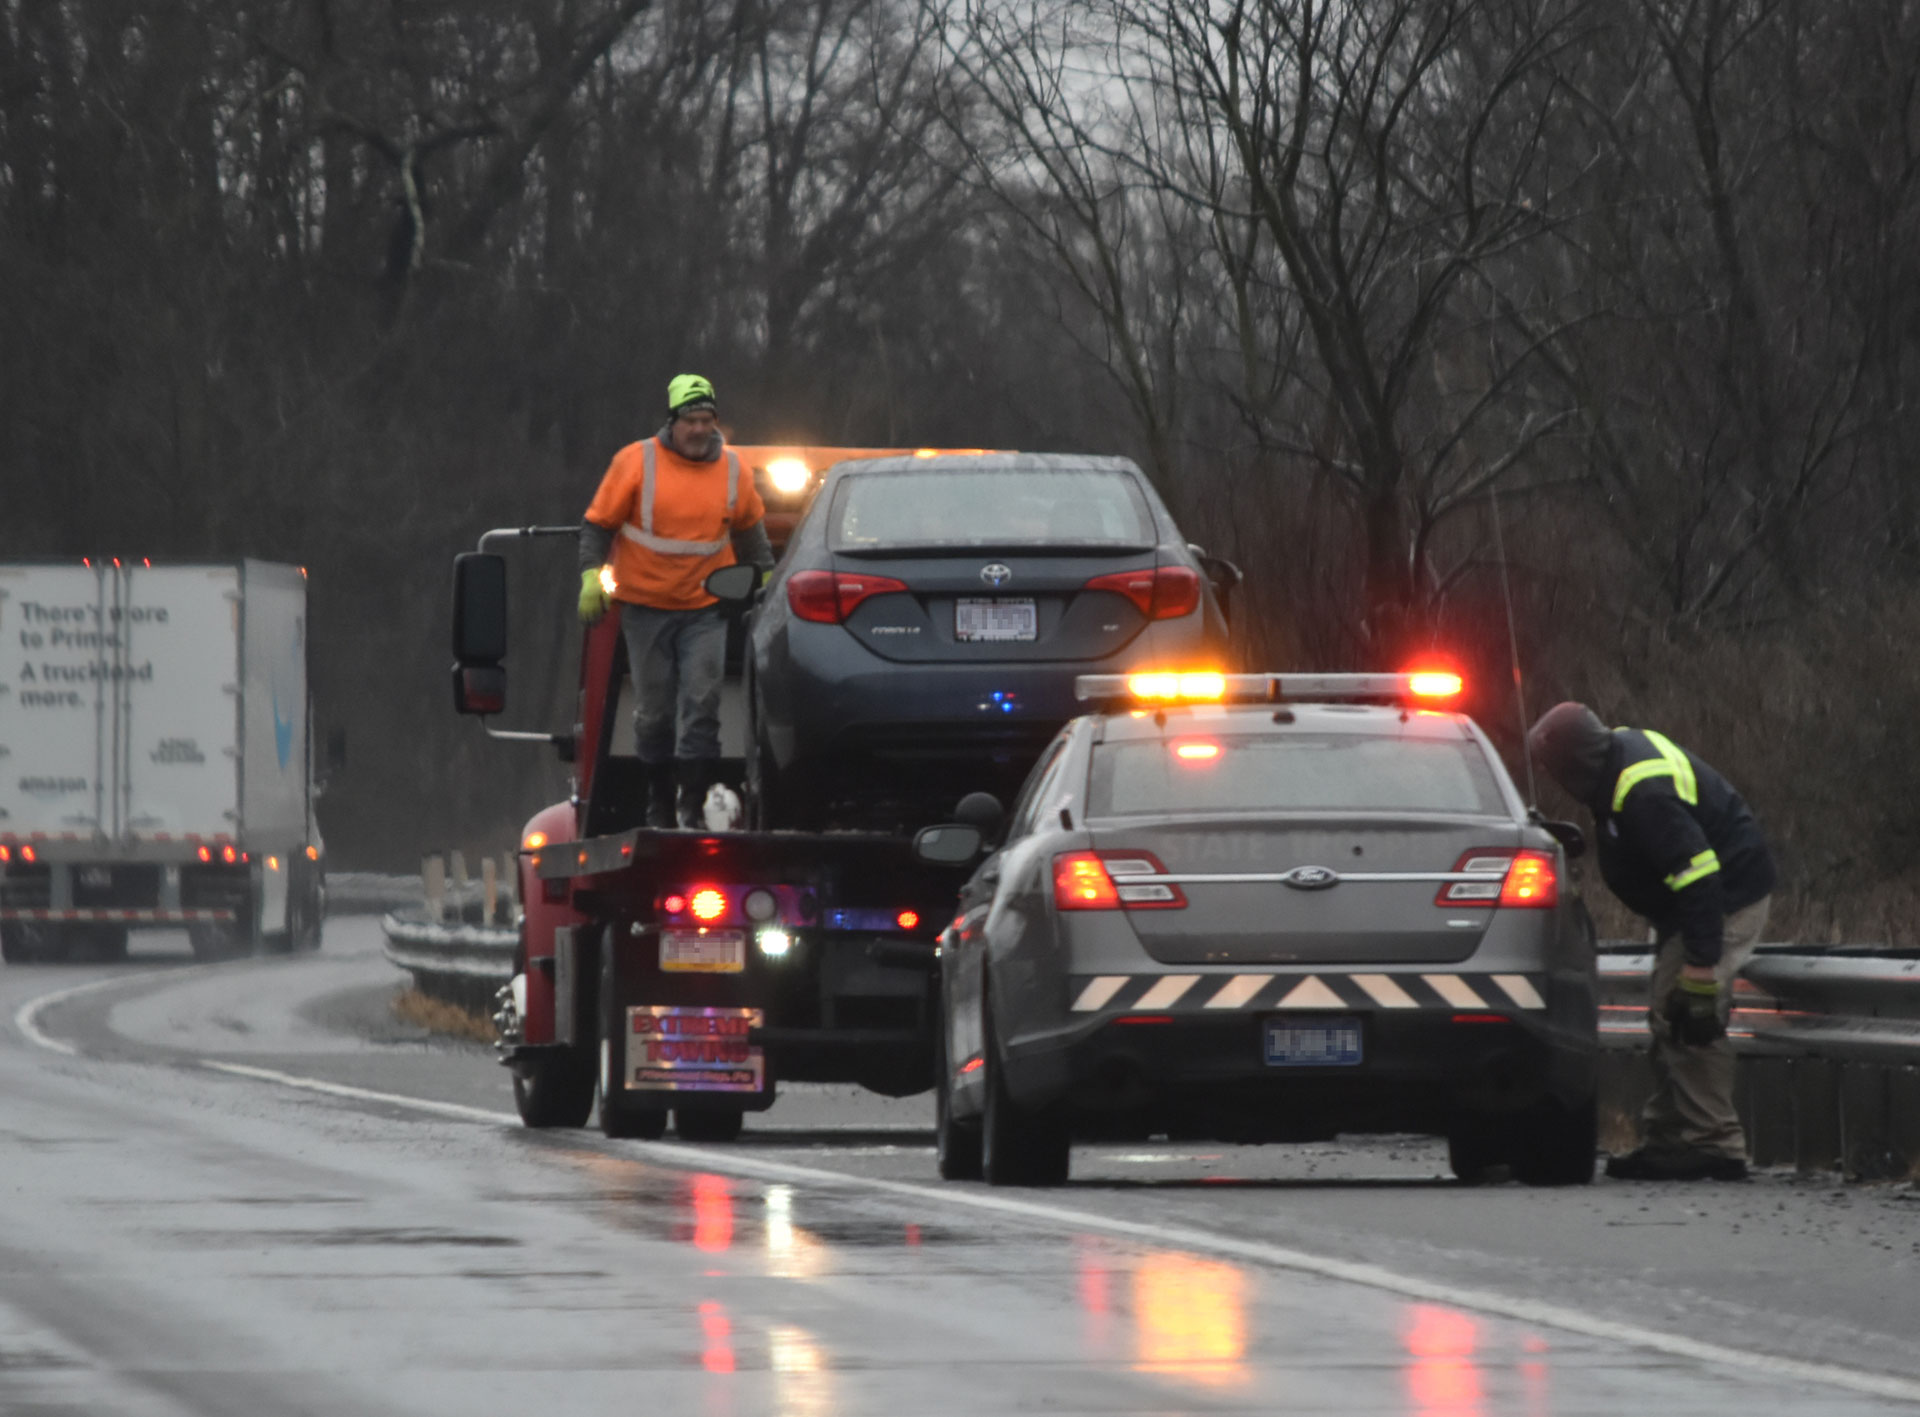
column 188, row 1226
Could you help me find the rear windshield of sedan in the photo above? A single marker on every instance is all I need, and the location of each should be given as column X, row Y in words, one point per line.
column 1295, row 772
column 989, row 507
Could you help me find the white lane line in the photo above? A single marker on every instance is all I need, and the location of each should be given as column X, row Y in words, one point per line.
column 27, row 1017
column 1745, row 1362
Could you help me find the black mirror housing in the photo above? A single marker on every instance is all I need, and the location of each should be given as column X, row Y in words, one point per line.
column 479, row 609
column 1570, row 837
column 479, row 689
column 736, row 584
column 952, row 845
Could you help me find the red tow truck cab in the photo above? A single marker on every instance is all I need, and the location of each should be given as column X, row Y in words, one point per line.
column 685, row 971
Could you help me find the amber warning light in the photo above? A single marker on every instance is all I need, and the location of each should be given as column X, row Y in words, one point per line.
column 1161, row 688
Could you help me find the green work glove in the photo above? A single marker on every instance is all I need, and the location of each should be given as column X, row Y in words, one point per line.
column 1693, row 1012
column 593, row 596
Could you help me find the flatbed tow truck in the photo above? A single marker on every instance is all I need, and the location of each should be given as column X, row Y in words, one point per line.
column 682, row 971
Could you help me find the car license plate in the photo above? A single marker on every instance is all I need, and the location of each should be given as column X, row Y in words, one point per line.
column 975, row 621
column 703, row 951
column 1313, row 1043
column 688, row 1048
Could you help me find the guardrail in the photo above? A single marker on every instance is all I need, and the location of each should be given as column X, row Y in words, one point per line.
column 462, row 963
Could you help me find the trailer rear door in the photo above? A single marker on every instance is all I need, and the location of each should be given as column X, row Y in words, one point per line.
column 55, row 706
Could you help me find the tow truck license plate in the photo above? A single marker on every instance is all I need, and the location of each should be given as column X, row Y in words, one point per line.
column 976, row 620
column 1313, row 1043
column 703, row 951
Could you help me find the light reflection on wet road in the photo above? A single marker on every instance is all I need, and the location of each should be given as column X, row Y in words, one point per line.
column 177, row 1242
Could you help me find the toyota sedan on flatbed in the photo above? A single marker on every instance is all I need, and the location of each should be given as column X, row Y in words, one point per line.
column 1267, row 908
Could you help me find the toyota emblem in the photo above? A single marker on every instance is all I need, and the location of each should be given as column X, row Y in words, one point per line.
column 996, row 575
column 1311, row 878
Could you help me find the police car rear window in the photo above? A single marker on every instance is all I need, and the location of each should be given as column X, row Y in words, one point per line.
column 989, row 507
column 1294, row 772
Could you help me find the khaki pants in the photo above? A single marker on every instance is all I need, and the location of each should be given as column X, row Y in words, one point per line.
column 1691, row 1110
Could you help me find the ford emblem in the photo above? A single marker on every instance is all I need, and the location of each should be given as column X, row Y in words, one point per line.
column 996, row 575
column 1311, row 878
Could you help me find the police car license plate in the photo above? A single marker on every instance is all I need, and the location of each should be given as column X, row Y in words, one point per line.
column 703, row 951
column 995, row 620
column 1313, row 1043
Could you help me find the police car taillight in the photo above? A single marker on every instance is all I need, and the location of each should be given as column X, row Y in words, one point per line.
column 1113, row 880
column 1524, row 879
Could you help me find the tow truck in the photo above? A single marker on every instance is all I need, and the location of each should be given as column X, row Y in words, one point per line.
column 686, row 971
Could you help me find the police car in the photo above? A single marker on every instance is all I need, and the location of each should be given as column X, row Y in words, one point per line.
column 1266, row 907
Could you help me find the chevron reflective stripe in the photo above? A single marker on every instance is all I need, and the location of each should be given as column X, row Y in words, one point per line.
column 667, row 546
column 1702, row 866
column 1373, row 991
column 1520, row 989
column 1098, row 991
column 1455, row 990
column 1382, row 989
column 1237, row 990
column 1167, row 992
column 132, row 917
column 1671, row 763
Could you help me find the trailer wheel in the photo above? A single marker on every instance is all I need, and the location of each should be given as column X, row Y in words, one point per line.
column 707, row 1124
column 553, row 1089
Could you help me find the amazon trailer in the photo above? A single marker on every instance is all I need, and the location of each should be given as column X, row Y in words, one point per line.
column 155, row 759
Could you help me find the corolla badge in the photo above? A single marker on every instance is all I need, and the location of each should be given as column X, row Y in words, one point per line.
column 997, row 574
column 1311, row 878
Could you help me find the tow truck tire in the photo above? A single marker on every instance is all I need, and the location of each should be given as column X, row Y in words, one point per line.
column 632, row 1123
column 956, row 1143
column 1018, row 1145
column 1557, row 1145
column 554, row 1089
column 707, row 1124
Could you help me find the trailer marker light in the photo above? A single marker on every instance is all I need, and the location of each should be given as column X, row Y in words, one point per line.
column 534, row 841
column 775, row 944
column 273, row 863
column 204, row 854
column 908, row 920
column 6, row 854
column 709, row 904
column 313, row 853
column 228, row 854
column 674, row 904
column 29, row 855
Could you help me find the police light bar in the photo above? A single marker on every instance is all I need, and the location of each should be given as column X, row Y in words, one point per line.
column 1209, row 687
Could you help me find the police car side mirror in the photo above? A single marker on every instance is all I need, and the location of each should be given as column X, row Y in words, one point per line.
column 952, row 845
column 737, row 584
column 1569, row 836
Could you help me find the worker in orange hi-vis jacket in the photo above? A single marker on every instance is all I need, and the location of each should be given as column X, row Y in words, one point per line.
column 671, row 510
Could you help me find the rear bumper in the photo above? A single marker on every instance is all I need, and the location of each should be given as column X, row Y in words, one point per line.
column 1207, row 1077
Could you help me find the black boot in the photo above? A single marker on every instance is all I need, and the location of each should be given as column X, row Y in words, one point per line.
column 660, row 795
column 690, row 780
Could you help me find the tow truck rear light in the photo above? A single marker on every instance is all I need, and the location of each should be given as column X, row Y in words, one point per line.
column 829, row 597
column 674, row 904
column 1525, row 880
column 1161, row 593
column 1110, row 880
column 708, row 904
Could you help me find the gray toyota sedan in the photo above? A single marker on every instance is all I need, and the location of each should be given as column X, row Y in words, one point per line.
column 1266, row 907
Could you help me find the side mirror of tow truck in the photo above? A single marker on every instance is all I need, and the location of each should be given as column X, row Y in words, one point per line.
column 735, row 585
column 479, row 633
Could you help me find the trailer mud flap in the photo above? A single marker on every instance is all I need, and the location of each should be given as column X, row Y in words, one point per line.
column 689, row 1048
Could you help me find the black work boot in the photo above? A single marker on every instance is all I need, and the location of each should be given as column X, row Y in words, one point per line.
column 659, row 795
column 690, row 780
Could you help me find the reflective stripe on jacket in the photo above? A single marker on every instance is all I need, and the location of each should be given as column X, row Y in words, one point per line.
column 1676, row 843
column 674, row 520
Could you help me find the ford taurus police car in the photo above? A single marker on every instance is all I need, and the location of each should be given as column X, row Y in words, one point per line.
column 1267, row 908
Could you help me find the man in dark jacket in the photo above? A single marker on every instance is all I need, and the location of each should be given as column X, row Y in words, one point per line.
column 1678, row 845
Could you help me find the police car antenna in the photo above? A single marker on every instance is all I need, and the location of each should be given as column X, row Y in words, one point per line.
column 1513, row 646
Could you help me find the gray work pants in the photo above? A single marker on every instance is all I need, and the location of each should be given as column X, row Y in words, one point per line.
column 678, row 659
column 1691, row 1110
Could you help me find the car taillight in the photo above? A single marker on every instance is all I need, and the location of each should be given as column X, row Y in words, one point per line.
column 1109, row 880
column 828, row 597
column 1523, row 879
column 1162, row 594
